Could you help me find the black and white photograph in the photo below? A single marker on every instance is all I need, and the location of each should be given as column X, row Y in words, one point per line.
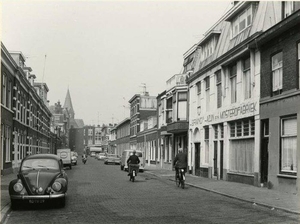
column 150, row 111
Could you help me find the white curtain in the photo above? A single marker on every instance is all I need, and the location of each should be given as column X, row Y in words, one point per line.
column 241, row 156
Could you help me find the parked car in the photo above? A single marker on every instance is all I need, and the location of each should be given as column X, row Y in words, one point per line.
column 101, row 156
column 125, row 156
column 74, row 157
column 40, row 179
column 112, row 159
column 65, row 156
column 93, row 154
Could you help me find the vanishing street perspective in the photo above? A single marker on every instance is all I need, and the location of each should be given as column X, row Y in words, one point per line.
column 218, row 143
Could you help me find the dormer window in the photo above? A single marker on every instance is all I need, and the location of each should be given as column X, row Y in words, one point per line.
column 242, row 21
column 289, row 7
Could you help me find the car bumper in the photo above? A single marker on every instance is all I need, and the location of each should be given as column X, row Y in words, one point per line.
column 29, row 197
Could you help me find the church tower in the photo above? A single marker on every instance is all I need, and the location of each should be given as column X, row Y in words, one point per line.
column 68, row 105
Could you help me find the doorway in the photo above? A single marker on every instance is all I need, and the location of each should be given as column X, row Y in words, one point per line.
column 264, row 161
column 197, row 159
column 215, row 159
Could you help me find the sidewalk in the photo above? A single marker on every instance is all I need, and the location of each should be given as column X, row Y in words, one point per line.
column 257, row 196
column 5, row 200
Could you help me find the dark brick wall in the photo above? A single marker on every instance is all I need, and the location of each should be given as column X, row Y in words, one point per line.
column 287, row 43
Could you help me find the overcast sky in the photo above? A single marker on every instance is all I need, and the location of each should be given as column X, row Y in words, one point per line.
column 104, row 50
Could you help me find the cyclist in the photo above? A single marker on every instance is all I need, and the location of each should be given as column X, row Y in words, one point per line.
column 180, row 162
column 132, row 160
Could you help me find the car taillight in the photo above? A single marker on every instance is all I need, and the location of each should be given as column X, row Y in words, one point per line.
column 56, row 186
column 18, row 187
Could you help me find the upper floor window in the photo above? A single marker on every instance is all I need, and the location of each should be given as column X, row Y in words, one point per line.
column 208, row 48
column 182, row 106
column 207, row 87
column 288, row 7
column 277, row 73
column 247, row 78
column 219, row 88
column 233, row 84
column 4, row 89
column 198, row 89
column 242, row 21
column 299, row 64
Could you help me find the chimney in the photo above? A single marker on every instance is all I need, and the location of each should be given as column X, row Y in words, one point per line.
column 31, row 79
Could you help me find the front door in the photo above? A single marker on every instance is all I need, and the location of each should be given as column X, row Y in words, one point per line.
column 215, row 159
column 221, row 160
column 197, row 159
column 264, row 161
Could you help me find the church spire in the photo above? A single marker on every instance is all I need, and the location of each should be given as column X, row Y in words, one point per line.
column 68, row 104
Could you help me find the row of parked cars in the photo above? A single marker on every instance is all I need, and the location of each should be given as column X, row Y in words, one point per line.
column 119, row 160
column 107, row 158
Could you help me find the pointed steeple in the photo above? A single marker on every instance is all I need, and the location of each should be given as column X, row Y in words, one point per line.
column 68, row 104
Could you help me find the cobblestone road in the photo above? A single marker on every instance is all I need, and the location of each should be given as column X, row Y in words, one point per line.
column 101, row 193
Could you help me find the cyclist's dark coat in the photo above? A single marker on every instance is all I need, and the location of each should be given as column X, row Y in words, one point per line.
column 133, row 159
column 180, row 160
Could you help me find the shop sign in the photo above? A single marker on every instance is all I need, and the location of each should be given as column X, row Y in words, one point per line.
column 235, row 112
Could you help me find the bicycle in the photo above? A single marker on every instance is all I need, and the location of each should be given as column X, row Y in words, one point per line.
column 180, row 178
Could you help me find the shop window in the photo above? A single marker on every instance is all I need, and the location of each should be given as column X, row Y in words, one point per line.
column 277, row 73
column 222, row 130
column 289, row 145
column 216, row 131
column 242, row 128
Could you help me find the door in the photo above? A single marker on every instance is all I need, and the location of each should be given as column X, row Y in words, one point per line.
column 221, row 159
column 264, row 161
column 197, row 159
column 215, row 159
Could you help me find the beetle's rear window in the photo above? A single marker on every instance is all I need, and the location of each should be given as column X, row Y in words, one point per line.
column 49, row 164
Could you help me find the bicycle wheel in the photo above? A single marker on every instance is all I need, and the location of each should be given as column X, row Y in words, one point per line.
column 177, row 181
column 182, row 184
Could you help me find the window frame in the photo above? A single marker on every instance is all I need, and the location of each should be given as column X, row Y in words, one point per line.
column 247, row 78
column 282, row 136
column 233, row 78
column 236, row 23
column 274, row 69
column 219, row 87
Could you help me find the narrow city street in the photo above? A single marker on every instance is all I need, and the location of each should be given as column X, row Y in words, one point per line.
column 101, row 193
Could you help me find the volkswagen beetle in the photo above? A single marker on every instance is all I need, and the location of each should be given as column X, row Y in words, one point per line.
column 40, row 179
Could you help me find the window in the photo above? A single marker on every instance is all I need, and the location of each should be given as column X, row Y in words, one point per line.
column 241, row 22
column 289, row 145
column 169, row 110
column 289, row 7
column 219, row 88
column 182, row 106
column 4, row 89
column 207, row 87
column 206, row 140
column 247, row 78
column 277, row 72
column 242, row 128
column 299, row 64
column 232, row 75
column 198, row 97
column 9, row 94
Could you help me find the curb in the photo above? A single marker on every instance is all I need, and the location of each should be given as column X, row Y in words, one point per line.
column 4, row 212
column 235, row 197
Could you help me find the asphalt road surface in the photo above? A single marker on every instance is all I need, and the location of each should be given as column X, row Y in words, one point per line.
column 101, row 193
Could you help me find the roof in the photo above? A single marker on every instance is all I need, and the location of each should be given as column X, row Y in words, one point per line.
column 79, row 123
column 68, row 103
column 41, row 156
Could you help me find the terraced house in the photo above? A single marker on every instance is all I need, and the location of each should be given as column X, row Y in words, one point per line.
column 25, row 117
column 244, row 68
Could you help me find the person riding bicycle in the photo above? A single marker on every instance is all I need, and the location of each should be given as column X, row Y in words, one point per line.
column 133, row 159
column 180, row 162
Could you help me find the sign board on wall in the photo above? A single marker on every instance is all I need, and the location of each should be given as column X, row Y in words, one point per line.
column 227, row 114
